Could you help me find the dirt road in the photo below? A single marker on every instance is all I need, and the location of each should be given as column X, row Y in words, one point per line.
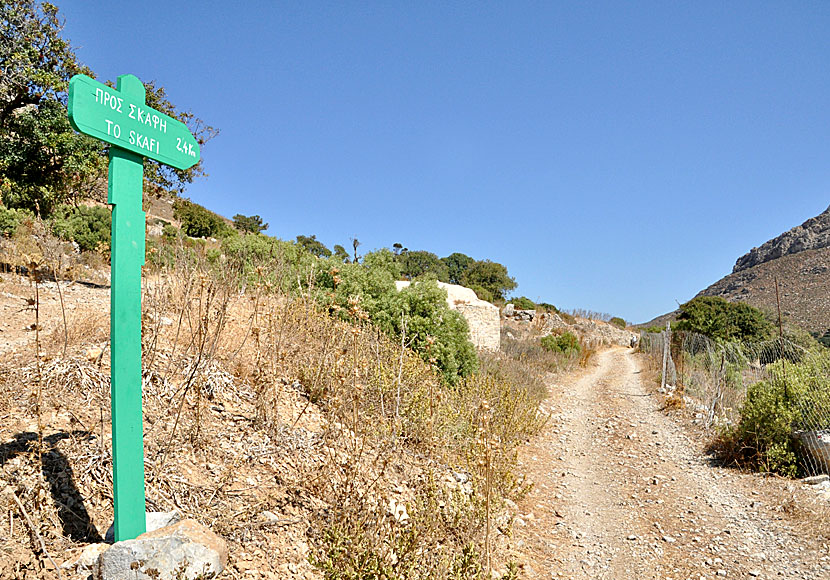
column 623, row 492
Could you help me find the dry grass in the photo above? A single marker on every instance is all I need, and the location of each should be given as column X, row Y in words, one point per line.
column 287, row 431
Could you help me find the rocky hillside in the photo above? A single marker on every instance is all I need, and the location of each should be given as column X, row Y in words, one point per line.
column 800, row 260
column 524, row 324
column 803, row 285
column 814, row 234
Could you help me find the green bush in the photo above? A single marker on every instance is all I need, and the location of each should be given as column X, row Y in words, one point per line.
column 823, row 339
column 547, row 307
column 718, row 319
column 436, row 333
column 170, row 232
column 10, row 220
column 198, row 222
column 523, row 303
column 566, row 343
column 260, row 259
column 654, row 329
column 618, row 322
column 89, row 227
column 772, row 414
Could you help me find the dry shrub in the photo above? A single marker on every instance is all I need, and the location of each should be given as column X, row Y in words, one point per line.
column 258, row 400
column 511, row 370
column 83, row 328
column 432, row 535
column 530, row 352
column 674, row 402
column 586, row 353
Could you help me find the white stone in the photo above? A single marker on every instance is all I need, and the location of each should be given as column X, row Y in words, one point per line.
column 186, row 550
column 86, row 559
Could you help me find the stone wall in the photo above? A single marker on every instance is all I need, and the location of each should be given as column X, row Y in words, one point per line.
column 481, row 316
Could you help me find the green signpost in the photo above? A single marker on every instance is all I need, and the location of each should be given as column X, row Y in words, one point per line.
column 121, row 118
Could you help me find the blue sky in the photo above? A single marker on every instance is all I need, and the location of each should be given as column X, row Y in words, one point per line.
column 615, row 156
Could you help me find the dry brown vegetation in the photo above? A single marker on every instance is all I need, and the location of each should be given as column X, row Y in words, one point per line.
column 315, row 446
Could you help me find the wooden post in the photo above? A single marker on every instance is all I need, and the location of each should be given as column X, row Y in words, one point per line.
column 122, row 118
column 666, row 346
column 125, row 183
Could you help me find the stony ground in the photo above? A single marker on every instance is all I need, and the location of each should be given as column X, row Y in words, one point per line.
column 624, row 491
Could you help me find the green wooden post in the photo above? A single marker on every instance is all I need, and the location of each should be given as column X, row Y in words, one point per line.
column 121, row 117
column 126, row 176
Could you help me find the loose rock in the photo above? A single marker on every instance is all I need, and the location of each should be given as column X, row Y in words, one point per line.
column 186, row 550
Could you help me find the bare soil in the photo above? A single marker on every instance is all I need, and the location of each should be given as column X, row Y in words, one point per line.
column 622, row 490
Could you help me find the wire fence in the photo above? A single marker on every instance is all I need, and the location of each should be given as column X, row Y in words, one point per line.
column 712, row 379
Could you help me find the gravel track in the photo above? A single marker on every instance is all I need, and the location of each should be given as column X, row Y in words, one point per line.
column 622, row 491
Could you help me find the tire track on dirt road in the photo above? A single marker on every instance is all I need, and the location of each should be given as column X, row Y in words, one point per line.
column 622, row 492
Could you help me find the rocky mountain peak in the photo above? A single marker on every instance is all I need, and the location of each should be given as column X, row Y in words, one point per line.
column 811, row 235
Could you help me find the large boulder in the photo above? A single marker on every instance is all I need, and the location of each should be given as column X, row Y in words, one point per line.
column 186, row 550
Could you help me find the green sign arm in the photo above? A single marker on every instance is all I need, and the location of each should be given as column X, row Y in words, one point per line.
column 125, row 121
column 126, row 175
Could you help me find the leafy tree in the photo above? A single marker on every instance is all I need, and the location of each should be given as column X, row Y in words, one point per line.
column 314, row 246
column 198, row 222
column 42, row 160
column 36, row 63
column 719, row 319
column 340, row 253
column 251, row 224
column 491, row 276
column 457, row 265
column 418, row 263
column 618, row 322
column 158, row 175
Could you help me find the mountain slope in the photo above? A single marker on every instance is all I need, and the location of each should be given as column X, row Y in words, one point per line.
column 803, row 286
column 800, row 261
column 813, row 234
